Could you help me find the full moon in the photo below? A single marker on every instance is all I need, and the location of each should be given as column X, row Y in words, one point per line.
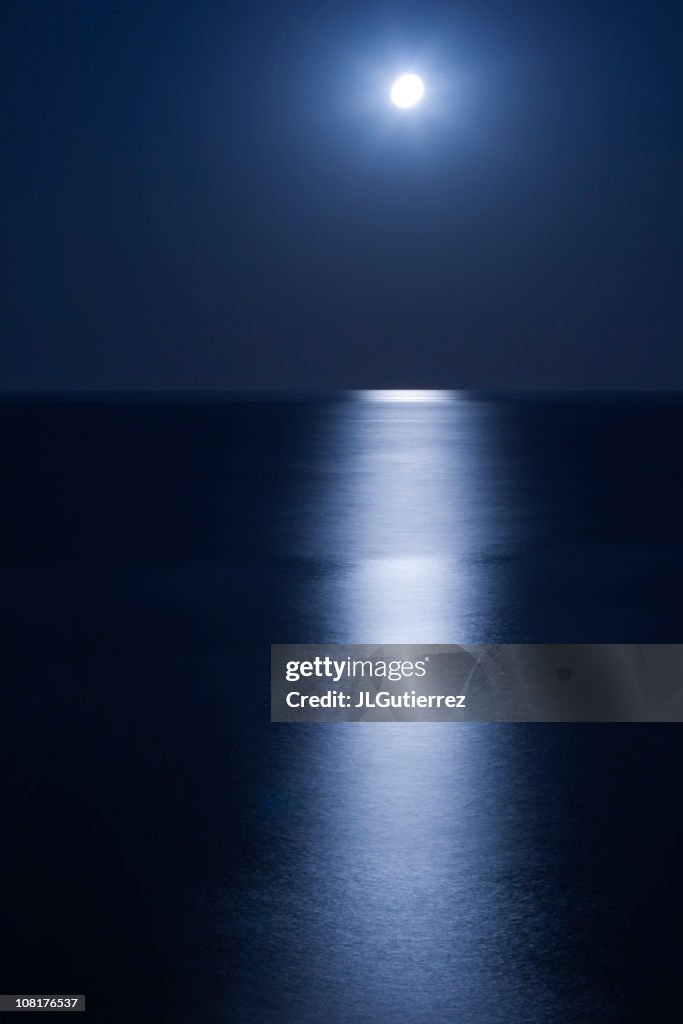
column 407, row 91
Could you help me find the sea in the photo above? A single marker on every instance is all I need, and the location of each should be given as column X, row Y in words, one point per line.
column 172, row 855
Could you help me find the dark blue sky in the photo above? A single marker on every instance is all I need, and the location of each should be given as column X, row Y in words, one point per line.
column 206, row 196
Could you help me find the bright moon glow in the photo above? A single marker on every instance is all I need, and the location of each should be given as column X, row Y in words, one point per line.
column 407, row 91
column 407, row 396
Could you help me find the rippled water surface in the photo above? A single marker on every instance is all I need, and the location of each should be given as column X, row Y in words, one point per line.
column 178, row 858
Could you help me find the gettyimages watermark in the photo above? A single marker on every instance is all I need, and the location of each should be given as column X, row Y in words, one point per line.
column 477, row 682
column 371, row 672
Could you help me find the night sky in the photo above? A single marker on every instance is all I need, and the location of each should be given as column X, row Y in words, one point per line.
column 205, row 195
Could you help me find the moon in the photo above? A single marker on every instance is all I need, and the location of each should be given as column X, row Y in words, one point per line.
column 407, row 91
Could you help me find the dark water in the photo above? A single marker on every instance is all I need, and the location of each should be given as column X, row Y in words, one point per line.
column 170, row 853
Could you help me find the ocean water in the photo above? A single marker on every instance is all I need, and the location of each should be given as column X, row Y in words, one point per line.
column 173, row 855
